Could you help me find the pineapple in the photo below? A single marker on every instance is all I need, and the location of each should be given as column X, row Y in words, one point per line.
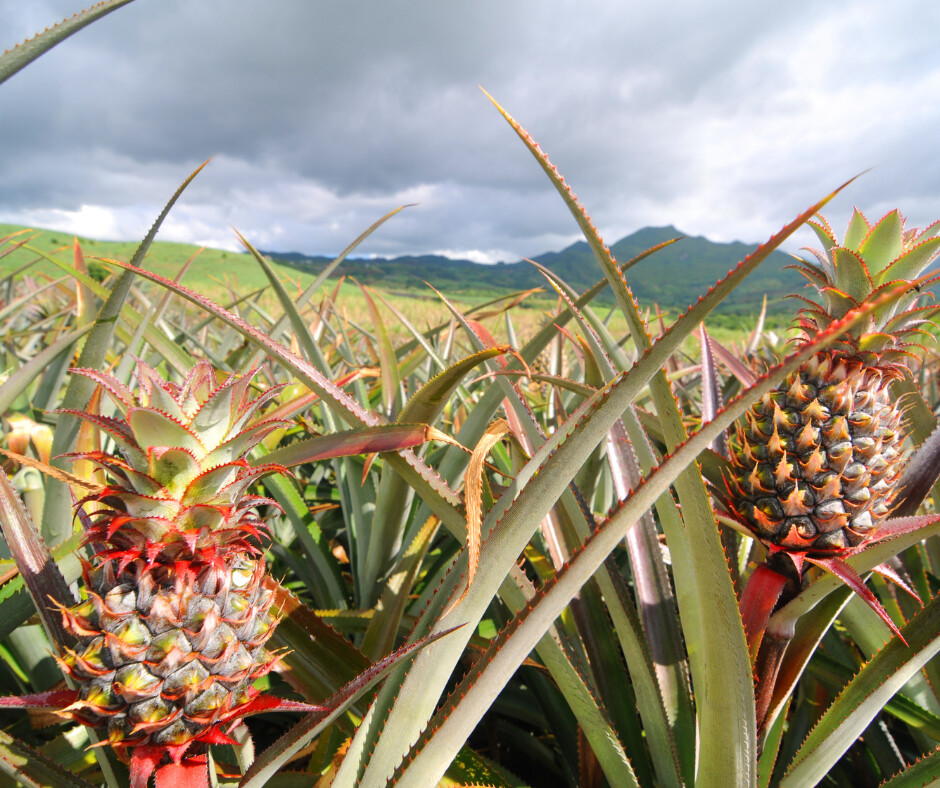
column 172, row 633
column 817, row 461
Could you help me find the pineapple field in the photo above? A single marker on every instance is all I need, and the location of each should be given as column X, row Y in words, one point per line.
column 286, row 530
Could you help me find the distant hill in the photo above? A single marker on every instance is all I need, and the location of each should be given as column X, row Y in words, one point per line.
column 673, row 277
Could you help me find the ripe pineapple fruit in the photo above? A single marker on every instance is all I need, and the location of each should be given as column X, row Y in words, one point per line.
column 817, row 462
column 172, row 633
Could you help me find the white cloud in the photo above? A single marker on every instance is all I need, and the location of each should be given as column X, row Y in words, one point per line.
column 93, row 221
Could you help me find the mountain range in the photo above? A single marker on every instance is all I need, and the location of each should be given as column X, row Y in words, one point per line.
column 673, row 277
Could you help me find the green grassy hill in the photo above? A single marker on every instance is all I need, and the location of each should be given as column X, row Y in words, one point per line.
column 212, row 271
column 672, row 278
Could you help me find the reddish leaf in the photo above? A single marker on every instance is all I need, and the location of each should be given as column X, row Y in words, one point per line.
column 757, row 603
column 851, row 578
column 263, row 703
column 745, row 375
column 55, row 700
column 887, row 571
column 144, row 761
column 897, row 526
column 191, row 772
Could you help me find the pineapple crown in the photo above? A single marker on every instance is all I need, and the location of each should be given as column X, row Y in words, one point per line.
column 869, row 260
column 180, row 483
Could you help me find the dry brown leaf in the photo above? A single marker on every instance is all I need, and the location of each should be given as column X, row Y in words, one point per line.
column 473, row 499
column 55, row 473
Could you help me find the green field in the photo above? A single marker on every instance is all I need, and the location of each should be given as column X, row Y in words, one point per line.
column 226, row 276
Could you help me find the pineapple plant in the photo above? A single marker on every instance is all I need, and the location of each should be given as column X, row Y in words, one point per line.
column 817, row 461
column 171, row 635
column 669, row 700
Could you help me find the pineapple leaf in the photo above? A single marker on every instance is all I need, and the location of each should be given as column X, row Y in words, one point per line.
column 810, row 273
column 428, row 402
column 854, row 581
column 874, row 342
column 380, row 635
column 510, row 524
column 823, row 231
column 572, row 676
column 388, row 361
column 40, row 573
column 768, row 756
column 365, row 440
column 888, row 572
column 582, row 390
column 920, row 475
column 925, row 771
column 659, row 612
column 482, row 683
column 19, row 380
column 178, row 467
column 320, row 570
column 168, row 349
column 910, row 264
column 190, row 773
column 800, row 648
column 865, row 696
column 12, row 60
column 853, row 278
column 58, row 503
column 838, row 674
column 837, row 304
column 857, row 231
column 291, row 306
column 29, row 767
column 626, row 624
column 744, row 374
column 883, row 244
column 480, row 416
column 760, row 596
column 711, row 390
column 153, row 430
column 663, row 635
column 319, row 658
column 279, row 753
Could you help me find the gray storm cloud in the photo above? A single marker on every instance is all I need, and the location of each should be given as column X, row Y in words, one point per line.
column 723, row 119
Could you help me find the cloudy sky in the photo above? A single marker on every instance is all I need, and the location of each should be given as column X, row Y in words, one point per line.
column 724, row 118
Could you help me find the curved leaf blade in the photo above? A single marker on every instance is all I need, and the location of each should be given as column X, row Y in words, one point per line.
column 23, row 54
